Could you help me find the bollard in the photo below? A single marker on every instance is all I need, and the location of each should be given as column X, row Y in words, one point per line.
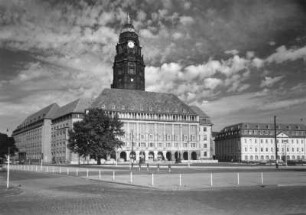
column 169, row 168
column 157, row 167
column 87, row 173
column 261, row 176
column 211, row 179
column 68, row 171
column 131, row 177
column 152, row 180
column 147, row 167
column 113, row 175
column 139, row 167
column 180, row 180
column 238, row 178
column 99, row 174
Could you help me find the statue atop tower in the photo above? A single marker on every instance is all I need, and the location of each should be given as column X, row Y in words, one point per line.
column 128, row 68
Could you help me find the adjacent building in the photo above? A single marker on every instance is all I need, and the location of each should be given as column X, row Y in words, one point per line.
column 33, row 136
column 62, row 122
column 256, row 142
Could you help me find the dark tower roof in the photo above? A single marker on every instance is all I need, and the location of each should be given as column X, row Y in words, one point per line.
column 128, row 27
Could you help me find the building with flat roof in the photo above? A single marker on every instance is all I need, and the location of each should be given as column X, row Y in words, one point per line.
column 256, row 142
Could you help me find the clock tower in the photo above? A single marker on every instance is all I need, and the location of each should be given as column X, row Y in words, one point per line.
column 128, row 68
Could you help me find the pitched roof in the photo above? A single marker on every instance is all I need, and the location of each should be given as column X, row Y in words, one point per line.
column 44, row 113
column 264, row 126
column 77, row 106
column 204, row 118
column 141, row 101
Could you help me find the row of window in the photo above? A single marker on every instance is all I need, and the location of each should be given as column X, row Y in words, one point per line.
column 147, row 116
column 166, row 137
column 161, row 145
column 297, row 141
column 267, row 157
column 272, row 149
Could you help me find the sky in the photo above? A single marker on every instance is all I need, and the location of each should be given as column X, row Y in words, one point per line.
column 238, row 60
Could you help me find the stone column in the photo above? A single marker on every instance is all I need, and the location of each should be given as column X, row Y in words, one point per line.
column 137, row 155
column 189, row 155
column 155, row 155
column 173, row 155
column 146, row 155
column 165, row 155
column 127, row 155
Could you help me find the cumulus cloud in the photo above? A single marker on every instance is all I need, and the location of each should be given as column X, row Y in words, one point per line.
column 232, row 52
column 283, row 54
column 269, row 81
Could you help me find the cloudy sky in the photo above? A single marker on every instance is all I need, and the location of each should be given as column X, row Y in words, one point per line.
column 239, row 60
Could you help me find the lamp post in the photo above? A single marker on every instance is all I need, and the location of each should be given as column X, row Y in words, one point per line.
column 275, row 140
column 132, row 147
column 8, row 169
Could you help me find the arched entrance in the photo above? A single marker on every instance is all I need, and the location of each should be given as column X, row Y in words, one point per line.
column 185, row 156
column 168, row 156
column 133, row 155
column 142, row 157
column 194, row 156
column 160, row 156
column 151, row 156
column 123, row 155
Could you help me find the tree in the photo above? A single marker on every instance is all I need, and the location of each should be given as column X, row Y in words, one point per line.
column 7, row 142
column 96, row 135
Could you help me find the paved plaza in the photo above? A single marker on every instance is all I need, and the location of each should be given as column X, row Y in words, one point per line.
column 36, row 193
column 180, row 177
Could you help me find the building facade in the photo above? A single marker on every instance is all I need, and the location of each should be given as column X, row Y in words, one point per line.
column 33, row 136
column 158, row 126
column 62, row 122
column 256, row 142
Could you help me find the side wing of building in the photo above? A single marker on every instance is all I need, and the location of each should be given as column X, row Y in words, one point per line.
column 256, row 142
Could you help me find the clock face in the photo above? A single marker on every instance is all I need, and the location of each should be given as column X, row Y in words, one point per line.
column 131, row 44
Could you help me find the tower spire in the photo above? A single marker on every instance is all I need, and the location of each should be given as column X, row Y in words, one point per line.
column 128, row 18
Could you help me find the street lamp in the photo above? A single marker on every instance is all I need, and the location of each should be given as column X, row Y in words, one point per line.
column 275, row 140
column 132, row 147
